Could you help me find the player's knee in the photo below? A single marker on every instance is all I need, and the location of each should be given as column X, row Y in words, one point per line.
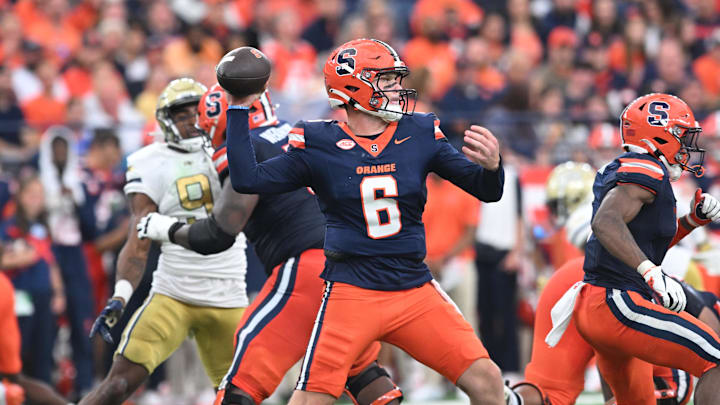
column 117, row 389
column 706, row 391
column 373, row 386
column 482, row 379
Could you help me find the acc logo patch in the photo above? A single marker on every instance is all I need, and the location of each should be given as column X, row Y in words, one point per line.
column 345, row 144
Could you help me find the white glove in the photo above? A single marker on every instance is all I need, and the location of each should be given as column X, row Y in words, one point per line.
column 155, row 226
column 667, row 288
column 710, row 206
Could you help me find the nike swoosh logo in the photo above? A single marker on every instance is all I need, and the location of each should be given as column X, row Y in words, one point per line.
column 399, row 141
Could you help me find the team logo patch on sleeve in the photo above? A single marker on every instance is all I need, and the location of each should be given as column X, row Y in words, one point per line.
column 345, row 144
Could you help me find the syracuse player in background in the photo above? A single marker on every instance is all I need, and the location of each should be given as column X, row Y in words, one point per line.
column 369, row 175
column 570, row 190
column 192, row 295
column 288, row 231
column 14, row 386
column 633, row 226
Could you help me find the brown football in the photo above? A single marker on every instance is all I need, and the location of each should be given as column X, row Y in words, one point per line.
column 243, row 71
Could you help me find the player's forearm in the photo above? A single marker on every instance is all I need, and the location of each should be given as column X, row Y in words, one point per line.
column 683, row 229
column 233, row 210
column 203, row 236
column 615, row 236
column 242, row 162
column 217, row 233
column 485, row 185
column 131, row 262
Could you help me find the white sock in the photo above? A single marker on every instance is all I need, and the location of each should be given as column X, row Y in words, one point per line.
column 512, row 397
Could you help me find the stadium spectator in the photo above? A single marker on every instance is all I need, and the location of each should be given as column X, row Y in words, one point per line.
column 13, row 145
column 293, row 58
column 562, row 14
column 35, row 276
column 707, row 67
column 11, row 41
column 184, row 54
column 60, row 175
column 498, row 259
column 322, row 31
column 46, row 108
column 109, row 105
column 562, row 46
column 432, row 51
column 523, row 37
column 671, row 69
column 49, row 24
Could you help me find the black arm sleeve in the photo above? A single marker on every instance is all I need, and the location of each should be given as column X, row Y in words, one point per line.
column 695, row 300
column 206, row 237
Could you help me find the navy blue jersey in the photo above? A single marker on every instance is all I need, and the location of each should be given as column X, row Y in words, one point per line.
column 281, row 225
column 371, row 190
column 653, row 228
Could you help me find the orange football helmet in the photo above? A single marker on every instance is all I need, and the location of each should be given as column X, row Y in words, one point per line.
column 352, row 73
column 664, row 126
column 262, row 112
column 213, row 120
column 211, row 114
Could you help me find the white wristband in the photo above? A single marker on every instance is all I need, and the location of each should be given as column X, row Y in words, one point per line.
column 123, row 289
column 643, row 267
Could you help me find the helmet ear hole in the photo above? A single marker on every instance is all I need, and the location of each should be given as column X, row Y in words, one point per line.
column 352, row 88
column 660, row 141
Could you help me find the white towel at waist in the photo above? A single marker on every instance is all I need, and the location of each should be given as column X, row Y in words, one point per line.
column 561, row 313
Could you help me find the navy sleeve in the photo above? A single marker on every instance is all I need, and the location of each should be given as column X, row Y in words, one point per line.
column 283, row 173
column 265, row 150
column 485, row 185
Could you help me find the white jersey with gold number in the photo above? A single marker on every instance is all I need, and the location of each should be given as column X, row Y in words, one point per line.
column 184, row 186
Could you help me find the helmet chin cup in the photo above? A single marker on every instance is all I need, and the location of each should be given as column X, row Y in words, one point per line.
column 675, row 171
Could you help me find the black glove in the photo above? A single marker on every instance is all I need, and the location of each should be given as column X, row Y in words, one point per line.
column 107, row 319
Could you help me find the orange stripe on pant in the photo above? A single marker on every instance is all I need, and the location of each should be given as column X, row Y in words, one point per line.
column 629, row 332
column 274, row 331
column 421, row 321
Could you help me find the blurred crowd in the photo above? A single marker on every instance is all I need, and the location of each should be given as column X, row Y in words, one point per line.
column 79, row 80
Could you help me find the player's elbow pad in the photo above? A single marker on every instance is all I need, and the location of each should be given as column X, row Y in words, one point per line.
column 206, row 237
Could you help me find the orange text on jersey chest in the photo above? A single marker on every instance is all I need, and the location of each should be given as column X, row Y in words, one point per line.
column 374, row 169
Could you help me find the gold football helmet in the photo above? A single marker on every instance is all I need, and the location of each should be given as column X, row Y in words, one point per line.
column 179, row 93
column 568, row 186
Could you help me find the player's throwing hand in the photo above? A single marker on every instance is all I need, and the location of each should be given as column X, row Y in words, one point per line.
column 482, row 147
column 242, row 101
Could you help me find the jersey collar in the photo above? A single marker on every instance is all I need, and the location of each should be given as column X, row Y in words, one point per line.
column 366, row 143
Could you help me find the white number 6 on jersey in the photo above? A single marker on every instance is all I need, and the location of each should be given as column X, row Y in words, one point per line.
column 372, row 206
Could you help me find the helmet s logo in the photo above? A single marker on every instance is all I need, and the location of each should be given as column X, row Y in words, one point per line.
column 346, row 62
column 657, row 113
column 212, row 102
